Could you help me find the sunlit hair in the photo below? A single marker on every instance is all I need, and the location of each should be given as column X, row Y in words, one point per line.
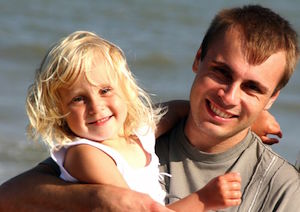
column 262, row 33
column 65, row 62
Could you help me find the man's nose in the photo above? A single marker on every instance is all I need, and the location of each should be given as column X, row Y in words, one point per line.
column 230, row 94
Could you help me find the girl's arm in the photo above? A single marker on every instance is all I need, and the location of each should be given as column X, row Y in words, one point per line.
column 221, row 192
column 40, row 189
column 176, row 110
column 91, row 165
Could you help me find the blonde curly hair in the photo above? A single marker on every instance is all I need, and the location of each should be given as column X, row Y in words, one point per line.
column 63, row 64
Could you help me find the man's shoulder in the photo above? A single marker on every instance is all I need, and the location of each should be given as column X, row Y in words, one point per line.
column 168, row 136
column 285, row 170
column 274, row 182
column 286, row 173
column 284, row 185
column 162, row 147
column 166, row 143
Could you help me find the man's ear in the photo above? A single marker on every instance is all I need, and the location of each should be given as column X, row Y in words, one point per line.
column 272, row 100
column 197, row 60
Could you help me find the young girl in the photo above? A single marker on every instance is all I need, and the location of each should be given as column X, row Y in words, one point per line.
column 101, row 127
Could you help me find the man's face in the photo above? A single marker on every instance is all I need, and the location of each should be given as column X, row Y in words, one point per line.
column 228, row 93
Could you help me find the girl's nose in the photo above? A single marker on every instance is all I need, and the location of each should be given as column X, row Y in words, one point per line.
column 95, row 106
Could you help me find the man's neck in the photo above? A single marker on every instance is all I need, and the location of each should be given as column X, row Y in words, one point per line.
column 205, row 142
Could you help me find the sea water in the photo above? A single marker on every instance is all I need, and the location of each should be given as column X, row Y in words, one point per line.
column 159, row 37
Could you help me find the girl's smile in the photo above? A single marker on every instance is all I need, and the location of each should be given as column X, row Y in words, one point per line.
column 101, row 121
column 95, row 106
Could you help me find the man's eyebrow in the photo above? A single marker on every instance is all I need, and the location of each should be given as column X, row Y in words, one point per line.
column 263, row 88
column 223, row 65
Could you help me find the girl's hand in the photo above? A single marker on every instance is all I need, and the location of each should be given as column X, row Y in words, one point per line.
column 221, row 192
column 266, row 125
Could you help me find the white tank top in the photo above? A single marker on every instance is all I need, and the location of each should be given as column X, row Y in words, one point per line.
column 145, row 180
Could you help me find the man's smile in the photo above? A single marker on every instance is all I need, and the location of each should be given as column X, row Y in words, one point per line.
column 217, row 111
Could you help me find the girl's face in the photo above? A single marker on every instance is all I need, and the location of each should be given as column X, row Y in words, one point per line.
column 95, row 111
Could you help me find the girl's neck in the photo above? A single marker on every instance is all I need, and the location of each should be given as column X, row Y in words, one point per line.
column 131, row 150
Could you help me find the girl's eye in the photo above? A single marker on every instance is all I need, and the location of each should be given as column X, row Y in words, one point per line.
column 104, row 91
column 77, row 99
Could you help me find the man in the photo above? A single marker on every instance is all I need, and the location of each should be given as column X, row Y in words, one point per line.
column 246, row 57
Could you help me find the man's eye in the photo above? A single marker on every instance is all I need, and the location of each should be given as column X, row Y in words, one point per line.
column 221, row 74
column 253, row 87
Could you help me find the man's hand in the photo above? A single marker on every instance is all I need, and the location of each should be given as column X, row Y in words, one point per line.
column 265, row 125
column 128, row 200
column 40, row 189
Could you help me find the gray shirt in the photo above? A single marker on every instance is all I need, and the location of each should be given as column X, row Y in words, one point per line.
column 269, row 182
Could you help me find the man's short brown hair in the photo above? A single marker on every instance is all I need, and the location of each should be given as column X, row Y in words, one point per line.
column 262, row 33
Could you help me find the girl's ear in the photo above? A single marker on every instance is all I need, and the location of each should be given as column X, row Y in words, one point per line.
column 272, row 100
column 197, row 60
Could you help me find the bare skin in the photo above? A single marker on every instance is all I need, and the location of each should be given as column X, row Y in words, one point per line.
column 91, row 165
column 46, row 190
column 266, row 125
column 79, row 197
column 221, row 192
column 45, row 187
column 41, row 189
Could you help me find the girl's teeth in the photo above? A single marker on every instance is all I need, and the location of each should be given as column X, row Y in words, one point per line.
column 103, row 119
